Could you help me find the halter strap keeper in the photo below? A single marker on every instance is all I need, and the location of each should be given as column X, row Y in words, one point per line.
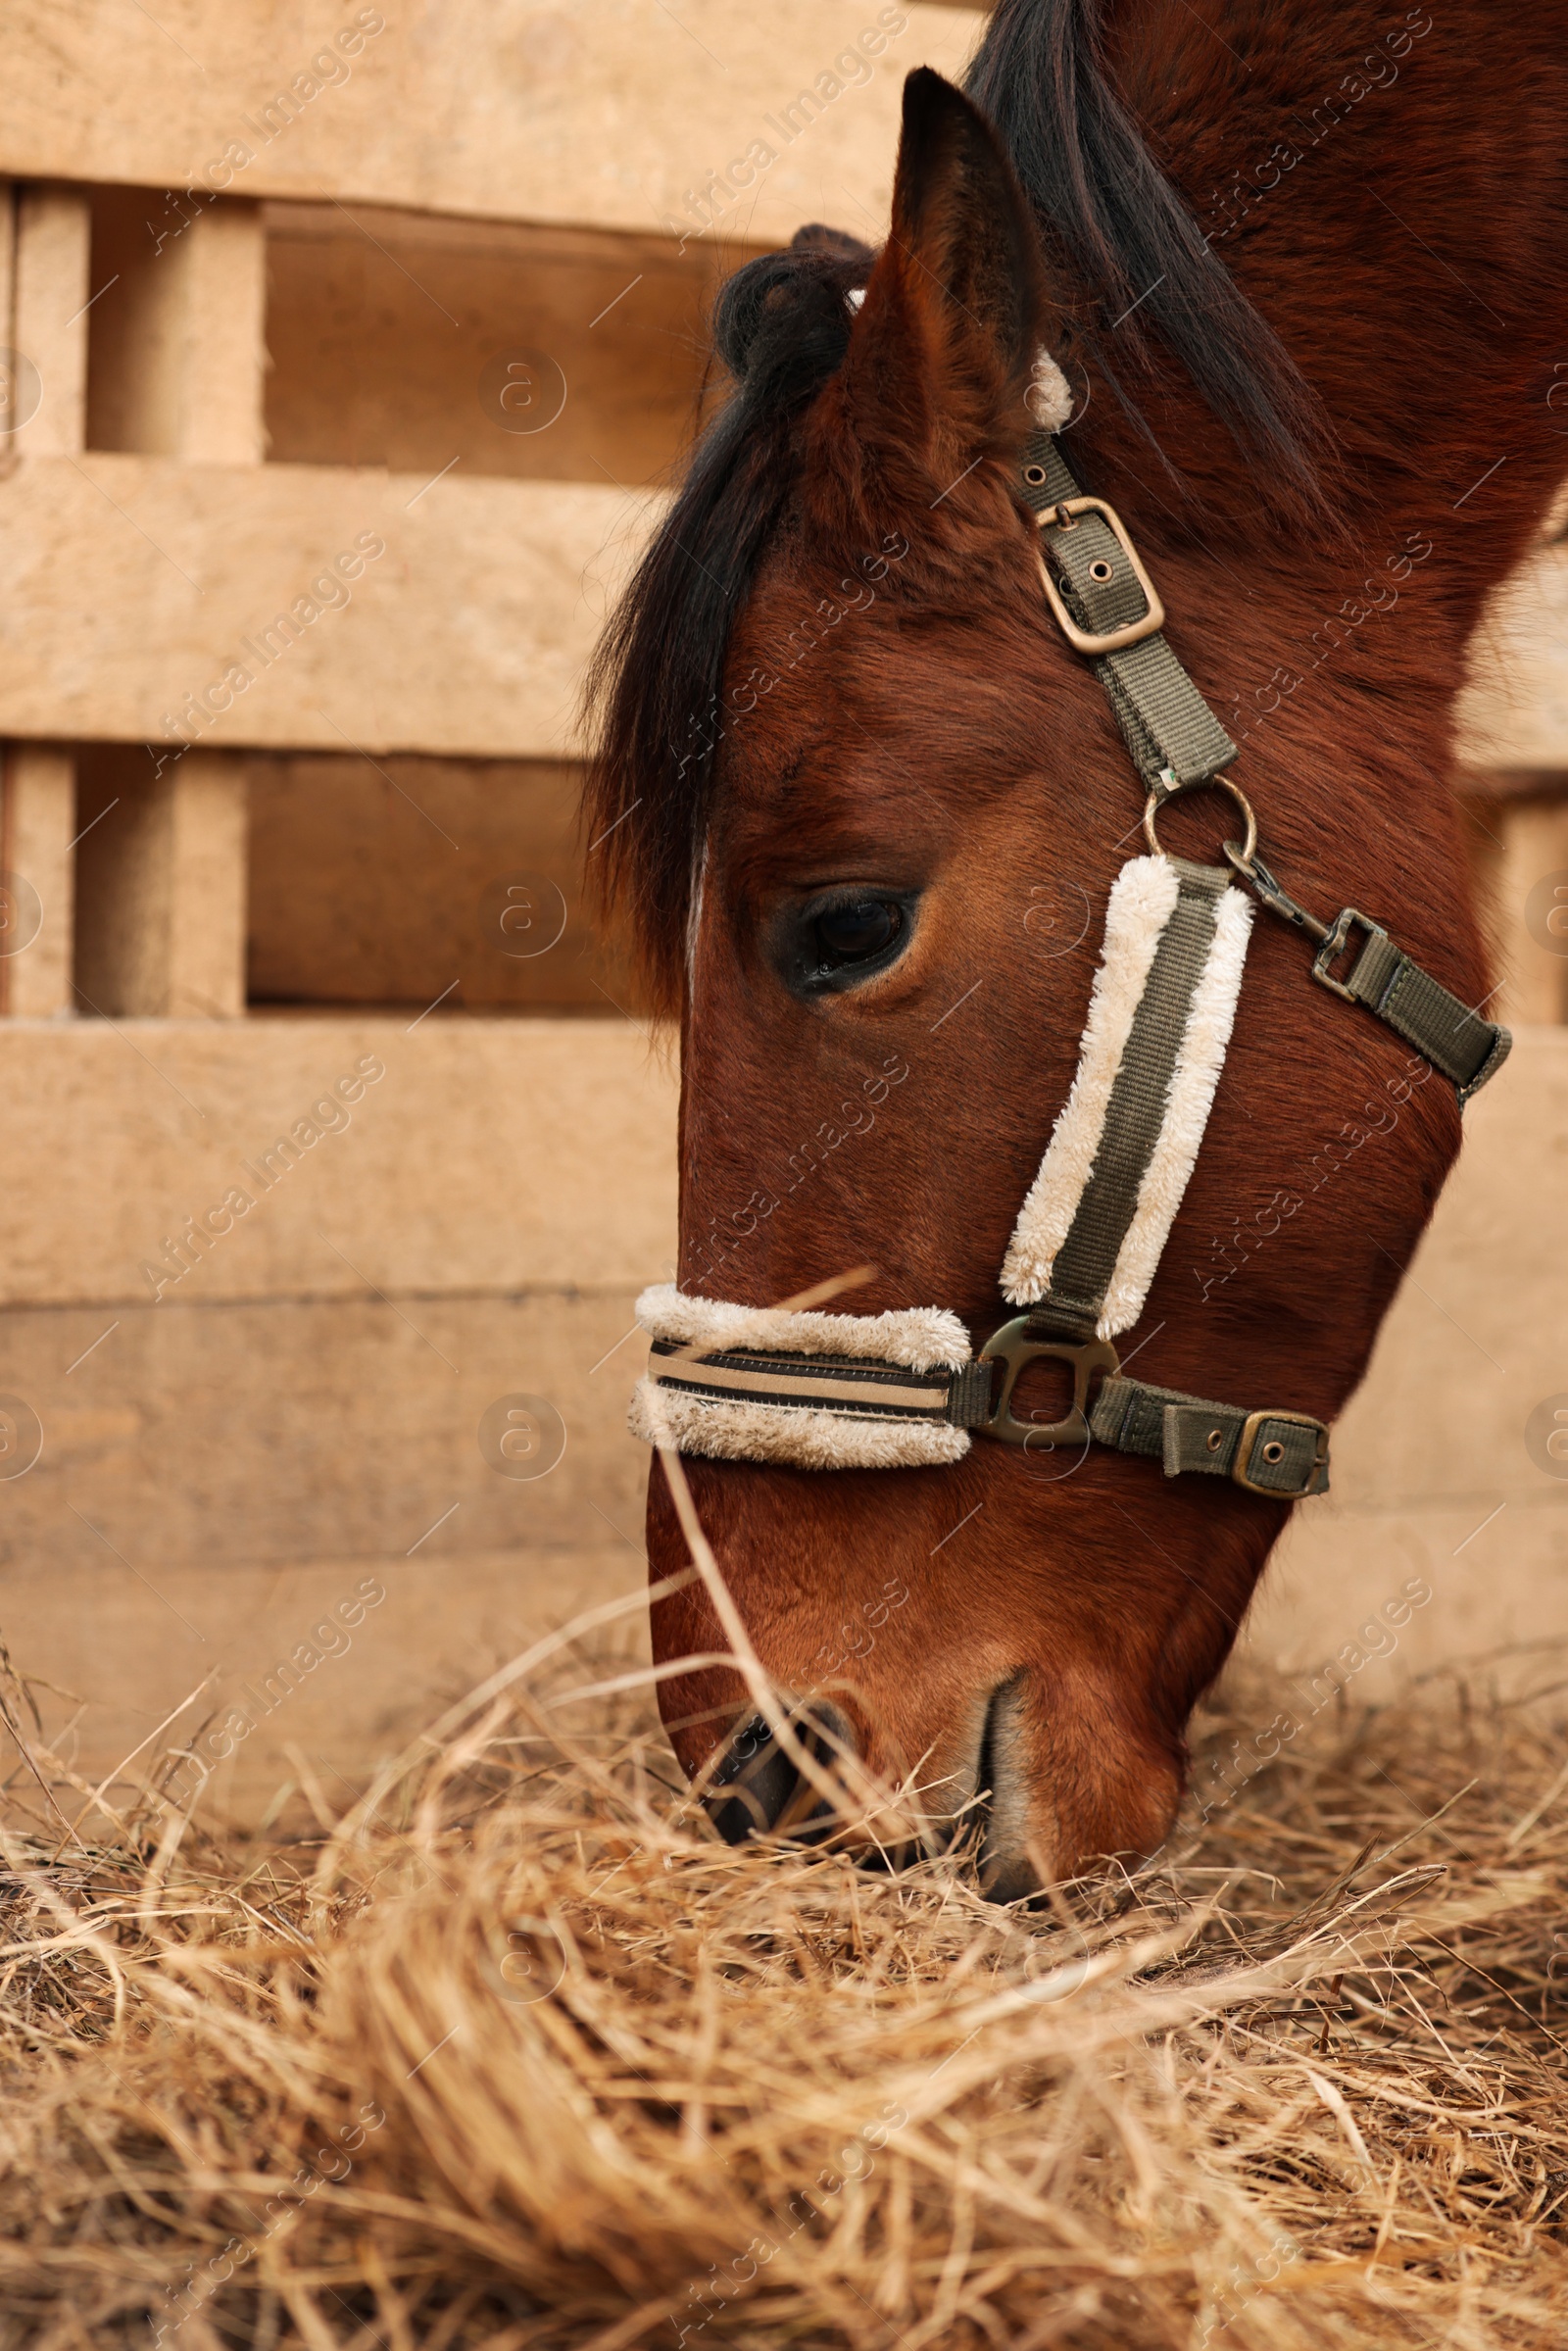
column 1282, row 1455
column 1393, row 985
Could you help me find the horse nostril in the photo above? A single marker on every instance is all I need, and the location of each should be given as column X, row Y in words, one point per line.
column 760, row 1790
column 758, row 1779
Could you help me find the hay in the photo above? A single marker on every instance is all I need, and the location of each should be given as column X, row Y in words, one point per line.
column 523, row 2057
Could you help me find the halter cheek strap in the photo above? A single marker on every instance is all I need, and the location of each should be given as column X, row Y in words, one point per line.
column 903, row 1389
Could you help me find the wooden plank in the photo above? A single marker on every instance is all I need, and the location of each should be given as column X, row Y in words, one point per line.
column 616, row 113
column 394, row 881
column 366, row 610
column 490, row 1156
column 1529, row 910
column 1438, row 1470
column 407, row 339
column 8, row 294
column 277, row 1431
column 377, row 1671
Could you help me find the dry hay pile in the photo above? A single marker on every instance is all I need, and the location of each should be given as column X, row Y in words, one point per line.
column 527, row 2058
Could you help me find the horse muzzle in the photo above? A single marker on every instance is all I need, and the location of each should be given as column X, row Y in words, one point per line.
column 811, row 1787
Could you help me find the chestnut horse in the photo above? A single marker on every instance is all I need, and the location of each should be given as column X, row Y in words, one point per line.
column 862, row 806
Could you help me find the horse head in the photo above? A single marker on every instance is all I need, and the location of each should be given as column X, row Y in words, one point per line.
column 865, row 805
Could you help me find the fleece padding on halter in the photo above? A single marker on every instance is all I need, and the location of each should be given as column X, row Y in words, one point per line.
column 822, row 1391
column 1099, row 1214
column 1049, row 398
column 728, row 1429
column 917, row 1338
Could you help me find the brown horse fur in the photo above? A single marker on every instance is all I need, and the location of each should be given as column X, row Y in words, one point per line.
column 940, row 737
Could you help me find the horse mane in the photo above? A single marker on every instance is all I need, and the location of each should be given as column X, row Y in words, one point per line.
column 1124, row 241
column 1114, row 224
column 781, row 326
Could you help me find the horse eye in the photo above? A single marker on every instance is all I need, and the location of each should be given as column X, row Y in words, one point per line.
column 862, row 928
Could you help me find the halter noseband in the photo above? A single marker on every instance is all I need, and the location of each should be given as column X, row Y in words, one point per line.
column 902, row 1389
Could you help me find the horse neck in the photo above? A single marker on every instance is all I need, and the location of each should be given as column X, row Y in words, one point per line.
column 1412, row 257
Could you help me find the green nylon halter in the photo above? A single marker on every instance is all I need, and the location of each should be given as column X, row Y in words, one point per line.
column 1110, row 612
column 1101, row 594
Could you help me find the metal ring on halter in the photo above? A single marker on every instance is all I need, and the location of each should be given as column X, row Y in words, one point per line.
column 1163, row 791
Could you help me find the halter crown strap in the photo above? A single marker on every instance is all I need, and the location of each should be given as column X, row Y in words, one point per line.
column 1168, row 725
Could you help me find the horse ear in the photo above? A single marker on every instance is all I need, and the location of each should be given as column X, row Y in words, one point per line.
column 948, row 339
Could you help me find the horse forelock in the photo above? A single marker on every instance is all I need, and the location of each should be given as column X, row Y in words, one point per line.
column 653, row 688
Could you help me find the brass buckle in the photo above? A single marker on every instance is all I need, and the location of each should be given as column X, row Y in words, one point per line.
column 1247, row 1445
column 1085, row 639
column 1013, row 1351
column 1333, row 947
